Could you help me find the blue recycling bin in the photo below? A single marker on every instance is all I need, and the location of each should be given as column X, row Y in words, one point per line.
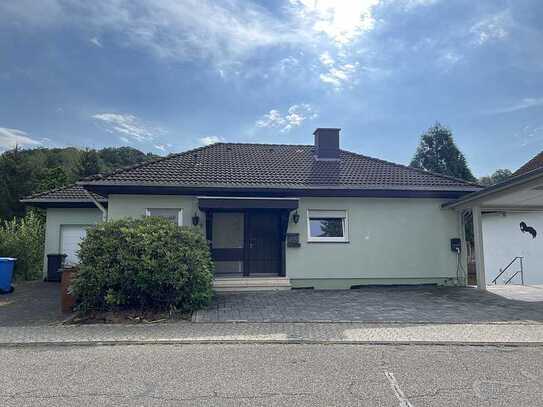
column 6, row 274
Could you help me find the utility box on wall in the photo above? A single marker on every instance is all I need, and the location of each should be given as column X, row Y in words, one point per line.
column 293, row 240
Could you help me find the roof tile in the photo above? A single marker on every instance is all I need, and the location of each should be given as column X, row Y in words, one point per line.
column 276, row 165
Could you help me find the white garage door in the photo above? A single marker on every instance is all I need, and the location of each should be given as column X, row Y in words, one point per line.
column 70, row 237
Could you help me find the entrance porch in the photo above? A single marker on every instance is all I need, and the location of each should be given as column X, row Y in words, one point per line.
column 247, row 238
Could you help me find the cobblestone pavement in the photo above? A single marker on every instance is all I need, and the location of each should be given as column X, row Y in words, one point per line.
column 349, row 332
column 379, row 304
column 32, row 303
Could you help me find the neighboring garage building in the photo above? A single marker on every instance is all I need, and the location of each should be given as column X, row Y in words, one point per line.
column 69, row 211
column 512, row 226
column 308, row 215
column 508, row 229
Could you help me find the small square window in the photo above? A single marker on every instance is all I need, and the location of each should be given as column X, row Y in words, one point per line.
column 173, row 215
column 327, row 226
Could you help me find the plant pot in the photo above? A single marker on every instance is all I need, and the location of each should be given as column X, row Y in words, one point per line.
column 67, row 300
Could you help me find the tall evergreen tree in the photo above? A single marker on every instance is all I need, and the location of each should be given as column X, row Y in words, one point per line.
column 88, row 164
column 438, row 153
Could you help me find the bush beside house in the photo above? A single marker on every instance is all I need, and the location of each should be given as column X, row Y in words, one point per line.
column 23, row 238
column 147, row 263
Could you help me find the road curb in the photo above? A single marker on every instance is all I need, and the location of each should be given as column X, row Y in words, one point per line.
column 97, row 343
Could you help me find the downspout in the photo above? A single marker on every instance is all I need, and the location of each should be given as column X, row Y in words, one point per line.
column 98, row 205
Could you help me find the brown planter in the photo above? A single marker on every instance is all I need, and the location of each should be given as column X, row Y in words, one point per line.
column 67, row 301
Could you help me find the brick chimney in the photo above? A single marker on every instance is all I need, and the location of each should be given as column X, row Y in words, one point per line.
column 327, row 144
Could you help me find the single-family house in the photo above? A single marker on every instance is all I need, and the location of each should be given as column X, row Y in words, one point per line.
column 294, row 215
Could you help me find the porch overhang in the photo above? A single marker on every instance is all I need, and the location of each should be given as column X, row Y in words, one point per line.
column 234, row 203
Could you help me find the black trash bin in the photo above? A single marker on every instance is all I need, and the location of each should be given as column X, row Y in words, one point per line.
column 55, row 262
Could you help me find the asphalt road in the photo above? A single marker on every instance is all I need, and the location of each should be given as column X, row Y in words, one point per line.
column 271, row 375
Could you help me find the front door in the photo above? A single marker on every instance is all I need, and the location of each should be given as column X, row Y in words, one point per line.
column 263, row 244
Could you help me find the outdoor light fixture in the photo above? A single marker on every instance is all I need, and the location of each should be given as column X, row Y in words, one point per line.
column 296, row 217
column 195, row 219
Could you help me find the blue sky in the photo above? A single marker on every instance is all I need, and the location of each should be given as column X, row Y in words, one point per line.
column 164, row 75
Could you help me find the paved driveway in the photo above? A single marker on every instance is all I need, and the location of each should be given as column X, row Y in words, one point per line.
column 379, row 304
column 32, row 303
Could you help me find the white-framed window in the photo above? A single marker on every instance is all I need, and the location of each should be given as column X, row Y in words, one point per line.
column 174, row 215
column 327, row 226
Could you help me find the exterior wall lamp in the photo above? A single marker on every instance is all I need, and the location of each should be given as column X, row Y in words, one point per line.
column 195, row 219
column 296, row 217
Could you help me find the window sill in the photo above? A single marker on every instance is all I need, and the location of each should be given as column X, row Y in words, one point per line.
column 328, row 241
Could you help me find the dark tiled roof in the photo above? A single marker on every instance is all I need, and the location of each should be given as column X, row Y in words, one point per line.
column 277, row 166
column 71, row 193
column 533, row 164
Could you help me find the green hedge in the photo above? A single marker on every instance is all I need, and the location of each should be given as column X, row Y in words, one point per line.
column 145, row 263
column 23, row 238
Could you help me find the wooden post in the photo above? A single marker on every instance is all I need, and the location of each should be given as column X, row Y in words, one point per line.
column 479, row 249
column 464, row 250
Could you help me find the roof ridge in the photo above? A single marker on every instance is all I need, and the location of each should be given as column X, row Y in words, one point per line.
column 420, row 170
column 264, row 144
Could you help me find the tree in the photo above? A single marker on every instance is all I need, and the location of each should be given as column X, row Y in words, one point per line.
column 88, row 164
column 438, row 153
column 26, row 171
column 53, row 178
column 498, row 176
column 16, row 181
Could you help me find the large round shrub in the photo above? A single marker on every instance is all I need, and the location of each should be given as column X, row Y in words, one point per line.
column 143, row 263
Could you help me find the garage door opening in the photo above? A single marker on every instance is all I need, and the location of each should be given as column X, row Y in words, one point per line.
column 70, row 239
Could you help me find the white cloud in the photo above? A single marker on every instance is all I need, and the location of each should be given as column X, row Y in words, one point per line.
column 96, row 42
column 165, row 148
column 41, row 13
column 128, row 127
column 491, row 28
column 208, row 140
column 338, row 76
column 342, row 21
column 525, row 103
column 9, row 138
column 326, row 59
column 530, row 134
column 295, row 116
column 226, row 33
column 447, row 59
column 178, row 29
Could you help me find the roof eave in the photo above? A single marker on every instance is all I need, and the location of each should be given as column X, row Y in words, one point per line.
column 106, row 188
column 62, row 203
column 494, row 189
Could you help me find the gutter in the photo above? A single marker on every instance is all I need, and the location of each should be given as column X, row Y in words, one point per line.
column 98, row 205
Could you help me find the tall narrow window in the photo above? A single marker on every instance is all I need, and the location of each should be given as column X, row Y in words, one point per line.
column 174, row 215
column 327, row 226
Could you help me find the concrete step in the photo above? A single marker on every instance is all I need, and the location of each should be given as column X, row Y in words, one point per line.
column 251, row 283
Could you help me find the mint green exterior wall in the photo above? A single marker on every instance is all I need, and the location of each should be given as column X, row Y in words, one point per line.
column 134, row 206
column 391, row 241
column 56, row 217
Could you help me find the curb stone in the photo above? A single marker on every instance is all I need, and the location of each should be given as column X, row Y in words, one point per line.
column 258, row 342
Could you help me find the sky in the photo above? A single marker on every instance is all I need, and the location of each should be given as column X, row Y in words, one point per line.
column 168, row 75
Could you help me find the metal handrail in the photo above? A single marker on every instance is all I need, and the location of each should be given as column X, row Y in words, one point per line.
column 521, row 271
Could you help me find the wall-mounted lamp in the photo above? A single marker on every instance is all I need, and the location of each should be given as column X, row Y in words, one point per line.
column 195, row 219
column 296, row 217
